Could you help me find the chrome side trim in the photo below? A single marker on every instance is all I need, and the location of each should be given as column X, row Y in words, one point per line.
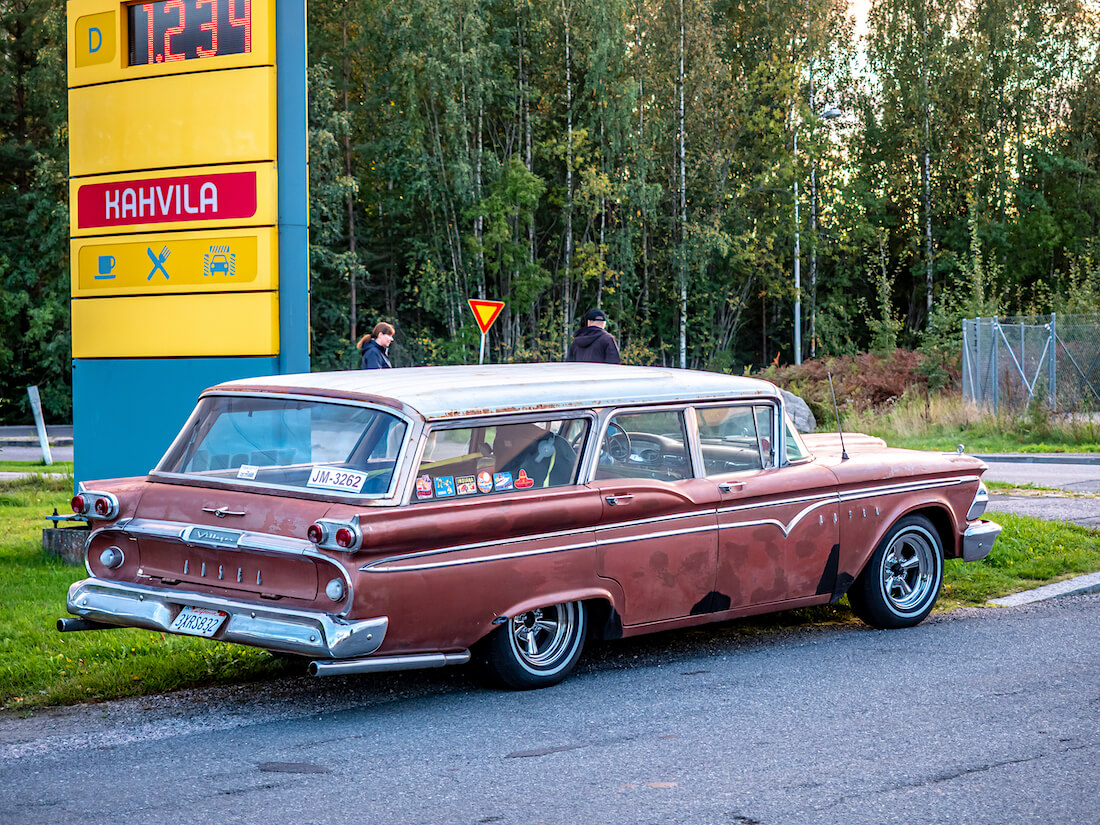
column 906, row 487
column 413, row 661
column 306, row 632
column 386, row 565
column 821, row 498
column 381, row 565
column 785, row 528
column 978, row 539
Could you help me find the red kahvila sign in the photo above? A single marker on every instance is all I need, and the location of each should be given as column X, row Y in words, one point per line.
column 217, row 197
column 485, row 312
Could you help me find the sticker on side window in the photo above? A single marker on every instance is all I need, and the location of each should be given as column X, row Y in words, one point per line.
column 424, row 487
column 247, row 472
column 465, row 485
column 331, row 478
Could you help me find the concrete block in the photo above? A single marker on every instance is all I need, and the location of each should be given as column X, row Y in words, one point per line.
column 65, row 543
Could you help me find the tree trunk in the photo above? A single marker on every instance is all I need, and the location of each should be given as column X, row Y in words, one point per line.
column 568, row 285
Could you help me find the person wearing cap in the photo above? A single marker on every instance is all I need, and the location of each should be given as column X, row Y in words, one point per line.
column 592, row 342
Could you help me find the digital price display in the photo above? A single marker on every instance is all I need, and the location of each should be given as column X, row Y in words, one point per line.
column 171, row 30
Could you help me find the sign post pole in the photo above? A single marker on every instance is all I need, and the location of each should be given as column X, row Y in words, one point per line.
column 481, row 352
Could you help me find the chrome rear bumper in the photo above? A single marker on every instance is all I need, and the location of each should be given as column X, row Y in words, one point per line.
column 978, row 539
column 304, row 632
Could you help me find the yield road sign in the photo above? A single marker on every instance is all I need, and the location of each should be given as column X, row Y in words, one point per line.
column 485, row 312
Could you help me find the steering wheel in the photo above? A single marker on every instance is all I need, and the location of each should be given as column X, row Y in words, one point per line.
column 616, row 444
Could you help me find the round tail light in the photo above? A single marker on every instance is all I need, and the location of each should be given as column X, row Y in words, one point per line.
column 102, row 506
column 344, row 537
column 78, row 504
column 315, row 533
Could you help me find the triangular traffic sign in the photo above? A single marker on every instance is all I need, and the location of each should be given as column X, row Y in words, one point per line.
column 485, row 312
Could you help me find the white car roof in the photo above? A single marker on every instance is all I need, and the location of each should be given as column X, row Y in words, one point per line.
column 450, row 392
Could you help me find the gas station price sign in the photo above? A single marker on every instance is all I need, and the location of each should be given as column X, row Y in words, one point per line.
column 172, row 30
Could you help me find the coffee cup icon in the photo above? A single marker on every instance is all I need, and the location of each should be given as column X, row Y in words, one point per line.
column 106, row 264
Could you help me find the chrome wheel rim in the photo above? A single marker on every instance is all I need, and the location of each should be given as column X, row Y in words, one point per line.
column 909, row 571
column 543, row 638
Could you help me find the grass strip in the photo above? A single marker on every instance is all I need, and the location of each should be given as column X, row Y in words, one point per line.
column 62, row 467
column 41, row 667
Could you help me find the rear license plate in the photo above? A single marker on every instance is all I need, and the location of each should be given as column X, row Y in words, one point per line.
column 198, row 621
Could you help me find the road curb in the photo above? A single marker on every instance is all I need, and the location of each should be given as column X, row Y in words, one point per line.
column 1040, row 458
column 1070, row 587
column 31, row 441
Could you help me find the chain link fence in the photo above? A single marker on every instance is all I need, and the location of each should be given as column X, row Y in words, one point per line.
column 1055, row 360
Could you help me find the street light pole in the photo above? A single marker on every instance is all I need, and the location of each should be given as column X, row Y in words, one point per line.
column 797, row 263
column 829, row 114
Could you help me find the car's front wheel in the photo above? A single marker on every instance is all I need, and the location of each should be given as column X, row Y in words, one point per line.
column 538, row 648
column 900, row 584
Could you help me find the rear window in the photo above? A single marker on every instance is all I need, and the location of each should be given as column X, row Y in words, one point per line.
column 290, row 443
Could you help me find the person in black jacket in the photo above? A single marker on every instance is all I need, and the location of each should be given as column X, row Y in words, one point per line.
column 375, row 347
column 592, row 342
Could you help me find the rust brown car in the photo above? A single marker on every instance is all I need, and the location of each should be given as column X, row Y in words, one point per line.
column 410, row 518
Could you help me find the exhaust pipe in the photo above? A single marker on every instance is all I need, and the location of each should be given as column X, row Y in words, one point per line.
column 378, row 664
column 68, row 625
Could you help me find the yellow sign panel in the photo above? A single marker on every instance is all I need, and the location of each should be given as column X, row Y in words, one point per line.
column 186, row 32
column 167, row 326
column 184, row 120
column 204, row 197
column 96, row 38
column 216, row 261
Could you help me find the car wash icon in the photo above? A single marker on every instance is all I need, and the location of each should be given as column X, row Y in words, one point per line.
column 158, row 261
column 218, row 260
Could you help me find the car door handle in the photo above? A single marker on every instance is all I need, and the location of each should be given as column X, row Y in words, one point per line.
column 624, row 498
column 731, row 486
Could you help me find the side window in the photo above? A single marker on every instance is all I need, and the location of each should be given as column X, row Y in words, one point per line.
column 645, row 445
column 476, row 461
column 735, row 438
column 796, row 450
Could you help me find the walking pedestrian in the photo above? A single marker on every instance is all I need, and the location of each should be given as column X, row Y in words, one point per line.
column 375, row 347
column 592, row 342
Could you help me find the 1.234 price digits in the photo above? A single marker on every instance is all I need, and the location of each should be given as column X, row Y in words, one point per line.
column 172, row 30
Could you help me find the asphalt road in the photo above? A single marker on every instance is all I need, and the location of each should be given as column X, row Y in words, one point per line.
column 977, row 716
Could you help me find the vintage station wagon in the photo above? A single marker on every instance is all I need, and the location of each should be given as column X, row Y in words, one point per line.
column 409, row 518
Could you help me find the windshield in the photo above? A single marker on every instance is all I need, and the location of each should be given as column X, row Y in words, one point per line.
column 291, row 443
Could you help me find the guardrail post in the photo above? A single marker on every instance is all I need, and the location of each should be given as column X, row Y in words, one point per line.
column 40, row 425
column 1053, row 366
column 993, row 359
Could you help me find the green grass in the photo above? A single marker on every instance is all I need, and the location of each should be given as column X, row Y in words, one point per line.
column 65, row 467
column 40, row 666
column 941, row 422
column 1028, row 553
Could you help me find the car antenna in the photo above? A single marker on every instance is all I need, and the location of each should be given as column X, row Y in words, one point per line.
column 836, row 409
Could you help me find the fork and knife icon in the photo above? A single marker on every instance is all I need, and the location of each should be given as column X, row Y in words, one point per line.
column 158, row 262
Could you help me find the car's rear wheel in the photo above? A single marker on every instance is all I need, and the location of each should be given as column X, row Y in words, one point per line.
column 900, row 584
column 538, row 648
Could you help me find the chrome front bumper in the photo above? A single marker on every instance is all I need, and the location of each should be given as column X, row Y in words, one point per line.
column 303, row 632
column 978, row 539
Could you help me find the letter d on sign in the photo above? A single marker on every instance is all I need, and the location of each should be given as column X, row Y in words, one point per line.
column 95, row 40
